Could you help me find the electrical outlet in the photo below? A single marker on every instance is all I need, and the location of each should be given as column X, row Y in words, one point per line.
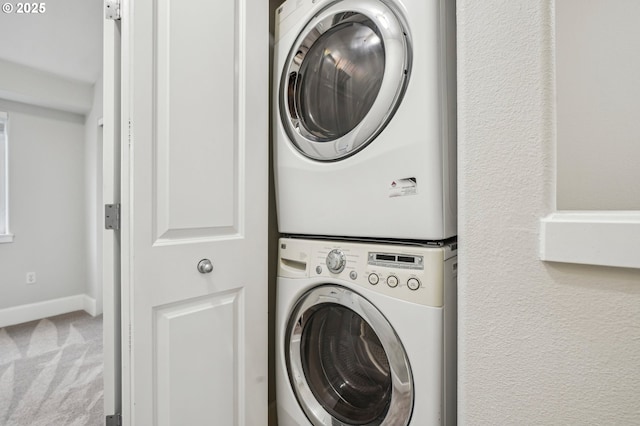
column 31, row 277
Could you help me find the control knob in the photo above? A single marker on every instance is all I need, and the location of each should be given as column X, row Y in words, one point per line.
column 413, row 283
column 336, row 261
column 392, row 281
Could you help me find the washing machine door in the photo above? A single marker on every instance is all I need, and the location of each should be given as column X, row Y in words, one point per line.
column 345, row 362
column 344, row 78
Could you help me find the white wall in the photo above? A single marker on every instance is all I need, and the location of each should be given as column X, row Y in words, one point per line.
column 55, row 159
column 47, row 206
column 20, row 83
column 539, row 343
column 93, row 196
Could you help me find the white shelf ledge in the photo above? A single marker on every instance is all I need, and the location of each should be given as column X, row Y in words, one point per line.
column 607, row 238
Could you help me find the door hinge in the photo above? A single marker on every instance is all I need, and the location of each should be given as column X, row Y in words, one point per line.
column 114, row 420
column 112, row 10
column 112, row 216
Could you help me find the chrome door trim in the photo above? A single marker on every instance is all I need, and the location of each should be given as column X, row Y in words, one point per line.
column 395, row 37
column 402, row 395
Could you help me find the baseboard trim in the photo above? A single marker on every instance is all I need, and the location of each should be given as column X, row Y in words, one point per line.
column 48, row 308
column 89, row 305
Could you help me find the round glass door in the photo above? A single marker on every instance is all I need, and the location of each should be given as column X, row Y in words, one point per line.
column 344, row 78
column 346, row 364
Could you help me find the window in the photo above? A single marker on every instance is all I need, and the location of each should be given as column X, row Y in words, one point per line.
column 597, row 221
column 598, row 99
column 5, row 235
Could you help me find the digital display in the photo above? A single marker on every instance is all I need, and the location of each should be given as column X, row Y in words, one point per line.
column 387, row 257
column 390, row 260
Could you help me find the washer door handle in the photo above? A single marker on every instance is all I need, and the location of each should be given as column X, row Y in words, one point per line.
column 205, row 266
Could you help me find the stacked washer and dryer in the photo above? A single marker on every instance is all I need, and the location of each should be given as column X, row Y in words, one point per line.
column 365, row 163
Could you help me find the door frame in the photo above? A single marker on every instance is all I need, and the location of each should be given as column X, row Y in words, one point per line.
column 125, row 214
column 111, row 191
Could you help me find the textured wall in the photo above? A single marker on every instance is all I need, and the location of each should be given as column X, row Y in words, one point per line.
column 539, row 343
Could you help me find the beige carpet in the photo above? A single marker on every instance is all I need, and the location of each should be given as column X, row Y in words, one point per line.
column 51, row 372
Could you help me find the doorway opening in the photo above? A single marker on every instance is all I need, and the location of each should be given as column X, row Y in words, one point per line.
column 51, row 272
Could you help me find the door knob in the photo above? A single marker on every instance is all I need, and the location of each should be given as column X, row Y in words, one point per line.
column 205, row 266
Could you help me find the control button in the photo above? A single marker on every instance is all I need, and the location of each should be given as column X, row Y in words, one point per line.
column 336, row 261
column 392, row 281
column 413, row 283
column 353, row 275
column 318, row 269
column 373, row 279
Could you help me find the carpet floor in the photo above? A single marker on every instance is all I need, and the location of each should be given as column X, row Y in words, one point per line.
column 51, row 372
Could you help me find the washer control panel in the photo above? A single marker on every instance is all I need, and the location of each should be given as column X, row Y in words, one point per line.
column 410, row 272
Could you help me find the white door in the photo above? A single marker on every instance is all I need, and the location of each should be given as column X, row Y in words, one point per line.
column 195, row 187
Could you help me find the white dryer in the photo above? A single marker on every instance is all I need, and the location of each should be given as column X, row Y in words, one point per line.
column 365, row 334
column 365, row 122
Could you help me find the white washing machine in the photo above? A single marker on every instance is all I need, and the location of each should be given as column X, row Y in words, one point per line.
column 365, row 334
column 365, row 122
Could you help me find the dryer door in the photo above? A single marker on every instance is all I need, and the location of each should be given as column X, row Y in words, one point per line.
column 344, row 78
column 345, row 362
